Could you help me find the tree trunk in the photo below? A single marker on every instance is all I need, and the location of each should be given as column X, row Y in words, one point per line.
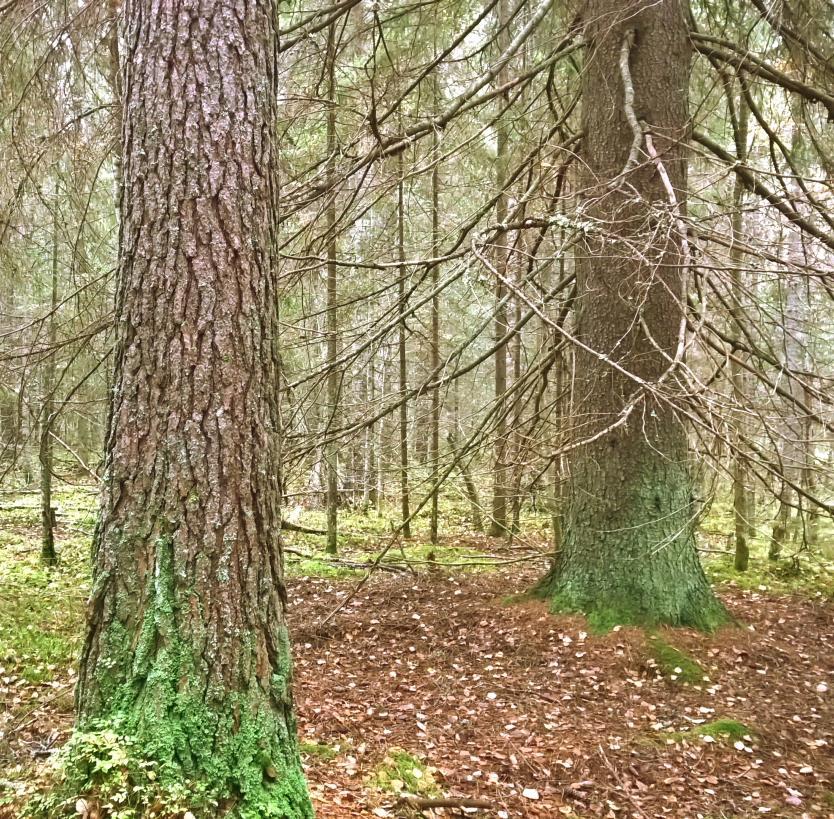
column 434, row 363
column 517, row 447
column 187, row 649
column 401, row 335
column 380, row 441
column 368, row 436
column 628, row 553
column 463, row 462
column 792, row 452
column 45, row 450
column 500, row 491
column 742, row 512
column 331, row 447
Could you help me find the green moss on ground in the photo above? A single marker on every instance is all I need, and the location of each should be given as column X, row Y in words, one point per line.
column 723, row 729
column 674, row 664
column 810, row 576
column 319, row 750
column 41, row 608
column 420, row 556
column 402, row 772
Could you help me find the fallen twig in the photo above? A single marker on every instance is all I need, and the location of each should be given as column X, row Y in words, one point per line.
column 348, row 564
column 423, row 803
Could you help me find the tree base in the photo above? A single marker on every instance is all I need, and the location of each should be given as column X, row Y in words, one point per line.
column 112, row 772
column 605, row 607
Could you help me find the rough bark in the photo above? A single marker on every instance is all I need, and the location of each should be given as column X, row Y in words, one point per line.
column 628, row 552
column 187, row 649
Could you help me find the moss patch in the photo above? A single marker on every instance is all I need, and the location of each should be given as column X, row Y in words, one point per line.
column 150, row 728
column 125, row 779
column 319, row 750
column 402, row 772
column 723, row 729
column 808, row 576
column 604, row 611
column 672, row 663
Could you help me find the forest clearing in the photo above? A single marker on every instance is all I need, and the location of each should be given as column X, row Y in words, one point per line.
column 416, row 408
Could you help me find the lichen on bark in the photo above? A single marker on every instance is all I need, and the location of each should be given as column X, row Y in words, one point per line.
column 629, row 557
column 187, row 656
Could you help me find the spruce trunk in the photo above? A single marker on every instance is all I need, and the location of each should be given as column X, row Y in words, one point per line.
column 628, row 553
column 187, row 649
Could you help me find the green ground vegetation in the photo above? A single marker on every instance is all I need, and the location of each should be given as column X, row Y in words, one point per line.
column 723, row 729
column 674, row 664
column 401, row 772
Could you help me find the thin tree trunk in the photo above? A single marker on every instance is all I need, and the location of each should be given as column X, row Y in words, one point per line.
column 792, row 451
column 369, row 437
column 463, row 465
column 742, row 512
column 45, row 450
column 809, row 484
column 380, row 443
column 557, row 493
column 434, row 364
column 331, row 447
column 401, row 349
column 187, row 649
column 517, row 404
column 500, row 491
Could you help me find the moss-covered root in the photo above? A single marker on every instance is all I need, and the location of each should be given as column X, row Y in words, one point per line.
column 606, row 610
column 674, row 664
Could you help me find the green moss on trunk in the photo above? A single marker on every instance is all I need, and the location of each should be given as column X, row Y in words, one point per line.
column 158, row 710
column 629, row 557
column 132, row 775
column 628, row 553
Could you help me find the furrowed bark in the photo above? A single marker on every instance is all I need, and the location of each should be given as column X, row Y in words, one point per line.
column 187, row 649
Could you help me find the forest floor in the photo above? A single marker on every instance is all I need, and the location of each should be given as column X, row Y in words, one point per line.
column 437, row 683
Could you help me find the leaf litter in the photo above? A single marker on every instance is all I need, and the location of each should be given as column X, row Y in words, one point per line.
column 499, row 709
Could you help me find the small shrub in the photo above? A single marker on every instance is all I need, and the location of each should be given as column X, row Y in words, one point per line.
column 105, row 769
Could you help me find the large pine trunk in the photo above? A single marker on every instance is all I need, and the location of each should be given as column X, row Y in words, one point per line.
column 628, row 553
column 187, row 648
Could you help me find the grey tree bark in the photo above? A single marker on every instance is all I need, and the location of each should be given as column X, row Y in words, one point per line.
column 331, row 448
